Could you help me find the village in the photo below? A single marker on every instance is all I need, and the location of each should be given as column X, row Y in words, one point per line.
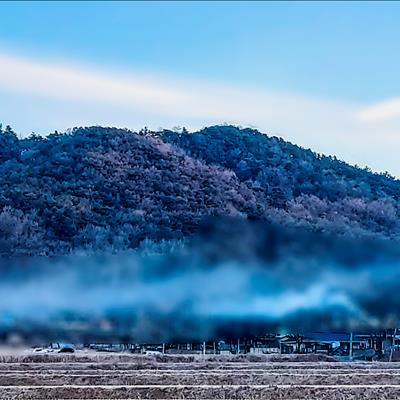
column 383, row 346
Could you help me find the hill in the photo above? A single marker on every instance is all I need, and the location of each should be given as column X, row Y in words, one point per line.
column 300, row 185
column 109, row 189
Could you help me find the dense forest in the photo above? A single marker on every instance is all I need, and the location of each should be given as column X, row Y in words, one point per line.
column 108, row 189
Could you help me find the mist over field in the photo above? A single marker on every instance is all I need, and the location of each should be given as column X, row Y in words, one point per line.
column 235, row 278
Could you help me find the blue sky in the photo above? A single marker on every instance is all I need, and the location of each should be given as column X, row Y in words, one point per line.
column 323, row 75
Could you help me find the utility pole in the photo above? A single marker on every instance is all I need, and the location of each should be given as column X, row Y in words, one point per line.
column 238, row 346
column 351, row 346
column 393, row 344
column 204, row 348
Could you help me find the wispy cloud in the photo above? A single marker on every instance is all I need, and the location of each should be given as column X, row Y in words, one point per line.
column 382, row 111
column 45, row 96
column 83, row 85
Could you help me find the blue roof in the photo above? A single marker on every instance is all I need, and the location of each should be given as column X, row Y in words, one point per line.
column 326, row 337
column 66, row 345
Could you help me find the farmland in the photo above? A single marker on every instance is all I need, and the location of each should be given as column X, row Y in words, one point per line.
column 90, row 375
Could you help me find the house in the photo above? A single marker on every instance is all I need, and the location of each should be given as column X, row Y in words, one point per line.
column 268, row 344
column 290, row 344
column 326, row 343
column 342, row 345
column 224, row 348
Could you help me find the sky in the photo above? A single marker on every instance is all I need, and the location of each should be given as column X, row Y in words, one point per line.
column 322, row 75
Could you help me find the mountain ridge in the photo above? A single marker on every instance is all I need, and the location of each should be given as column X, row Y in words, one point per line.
column 109, row 189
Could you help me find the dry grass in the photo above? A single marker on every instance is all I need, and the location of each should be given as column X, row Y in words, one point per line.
column 90, row 375
column 158, row 358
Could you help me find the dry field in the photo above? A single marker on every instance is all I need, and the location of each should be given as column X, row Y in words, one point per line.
column 114, row 376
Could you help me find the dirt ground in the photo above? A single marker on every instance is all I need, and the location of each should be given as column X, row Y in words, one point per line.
column 89, row 375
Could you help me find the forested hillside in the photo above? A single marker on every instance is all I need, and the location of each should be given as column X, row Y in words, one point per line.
column 299, row 185
column 107, row 189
